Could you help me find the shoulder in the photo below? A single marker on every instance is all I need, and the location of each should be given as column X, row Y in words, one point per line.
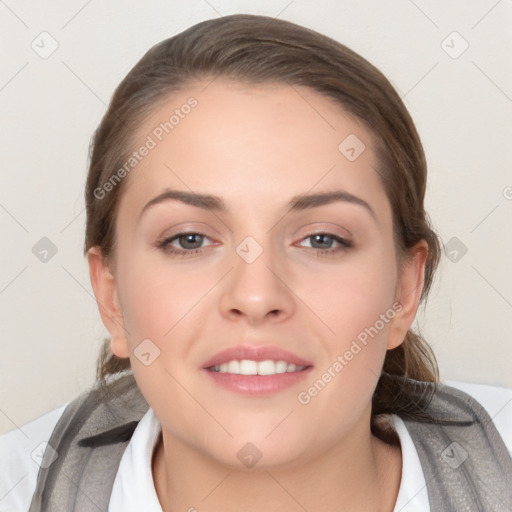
column 22, row 449
column 497, row 401
column 462, row 421
column 21, row 453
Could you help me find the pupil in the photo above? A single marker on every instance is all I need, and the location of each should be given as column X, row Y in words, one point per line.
column 193, row 239
column 324, row 240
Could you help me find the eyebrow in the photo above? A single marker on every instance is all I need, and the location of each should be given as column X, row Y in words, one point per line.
column 297, row 203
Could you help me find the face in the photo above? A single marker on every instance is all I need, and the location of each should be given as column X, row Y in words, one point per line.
column 248, row 233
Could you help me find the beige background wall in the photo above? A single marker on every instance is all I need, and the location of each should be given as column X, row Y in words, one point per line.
column 460, row 98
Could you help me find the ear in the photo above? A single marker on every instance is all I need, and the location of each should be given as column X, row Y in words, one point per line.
column 408, row 293
column 105, row 291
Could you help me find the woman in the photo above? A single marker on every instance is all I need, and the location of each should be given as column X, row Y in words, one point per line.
column 258, row 248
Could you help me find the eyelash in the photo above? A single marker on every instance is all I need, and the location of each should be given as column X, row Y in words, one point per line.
column 165, row 246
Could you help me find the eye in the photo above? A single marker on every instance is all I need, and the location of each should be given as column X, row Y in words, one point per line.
column 183, row 243
column 189, row 243
column 323, row 243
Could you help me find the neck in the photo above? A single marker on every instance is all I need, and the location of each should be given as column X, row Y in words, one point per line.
column 356, row 475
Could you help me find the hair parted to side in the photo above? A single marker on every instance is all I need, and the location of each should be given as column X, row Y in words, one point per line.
column 259, row 49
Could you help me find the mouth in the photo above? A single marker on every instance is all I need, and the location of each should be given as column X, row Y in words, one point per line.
column 256, row 370
column 251, row 367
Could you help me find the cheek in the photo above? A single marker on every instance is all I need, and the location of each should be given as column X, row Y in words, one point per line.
column 147, row 304
column 350, row 297
column 160, row 303
column 155, row 296
column 356, row 305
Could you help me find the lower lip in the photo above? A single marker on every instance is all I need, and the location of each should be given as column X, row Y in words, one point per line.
column 258, row 384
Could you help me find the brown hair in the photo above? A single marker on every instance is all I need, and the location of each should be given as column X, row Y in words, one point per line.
column 259, row 49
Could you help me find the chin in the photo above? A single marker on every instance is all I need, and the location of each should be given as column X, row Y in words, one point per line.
column 256, row 453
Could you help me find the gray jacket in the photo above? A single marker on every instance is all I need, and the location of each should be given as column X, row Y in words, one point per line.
column 466, row 464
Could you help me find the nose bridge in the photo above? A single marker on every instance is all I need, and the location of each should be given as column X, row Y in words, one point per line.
column 254, row 261
column 255, row 287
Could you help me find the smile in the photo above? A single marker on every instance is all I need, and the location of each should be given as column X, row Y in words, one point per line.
column 250, row 367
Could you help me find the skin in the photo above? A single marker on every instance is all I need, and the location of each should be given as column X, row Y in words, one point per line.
column 257, row 147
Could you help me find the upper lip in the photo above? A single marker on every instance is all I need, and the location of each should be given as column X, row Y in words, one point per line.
column 255, row 353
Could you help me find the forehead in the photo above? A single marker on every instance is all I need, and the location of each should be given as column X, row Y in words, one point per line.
column 256, row 144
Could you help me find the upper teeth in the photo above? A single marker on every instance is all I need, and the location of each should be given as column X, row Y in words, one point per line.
column 248, row 367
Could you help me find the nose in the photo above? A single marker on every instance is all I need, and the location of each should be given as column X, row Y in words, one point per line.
column 258, row 291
